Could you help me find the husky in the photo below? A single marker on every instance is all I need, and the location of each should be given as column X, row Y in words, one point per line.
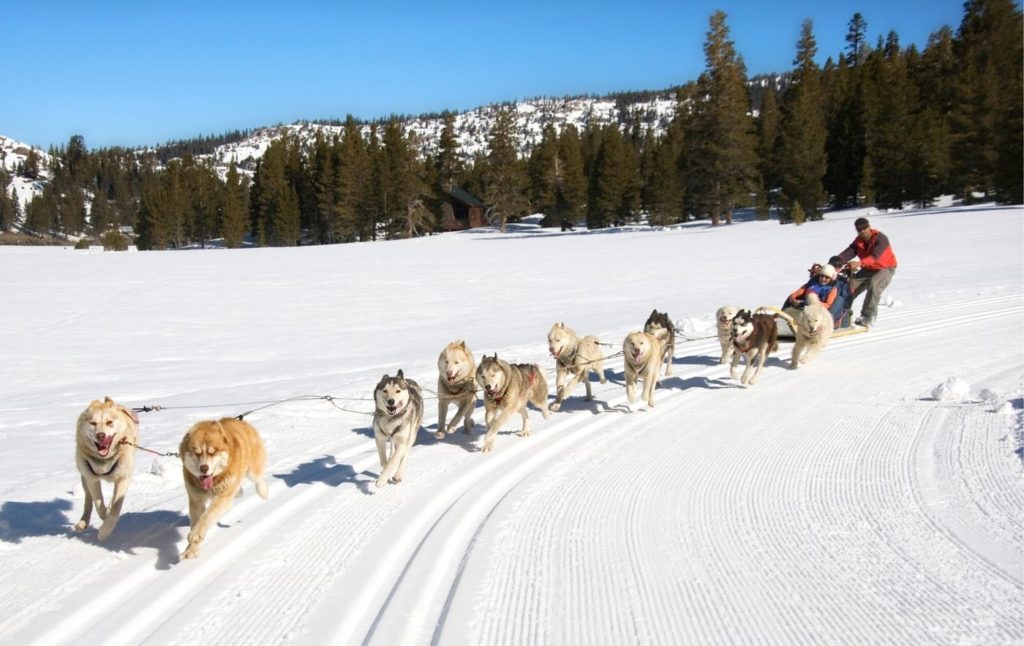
column 754, row 336
column 575, row 356
column 723, row 325
column 642, row 358
column 508, row 387
column 397, row 419
column 216, row 455
column 813, row 330
column 456, row 383
column 661, row 326
column 105, row 442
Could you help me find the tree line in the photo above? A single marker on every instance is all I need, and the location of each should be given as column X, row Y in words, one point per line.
column 877, row 124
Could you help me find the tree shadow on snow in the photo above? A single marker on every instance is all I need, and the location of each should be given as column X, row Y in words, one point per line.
column 323, row 469
column 696, row 360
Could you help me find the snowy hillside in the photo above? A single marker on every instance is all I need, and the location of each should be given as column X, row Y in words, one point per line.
column 473, row 127
column 12, row 154
column 872, row 497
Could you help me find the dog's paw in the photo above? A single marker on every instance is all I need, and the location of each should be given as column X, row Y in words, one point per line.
column 524, row 433
column 395, row 480
column 380, row 482
column 80, row 526
column 191, row 553
column 487, row 447
column 106, row 529
column 554, row 406
column 440, row 435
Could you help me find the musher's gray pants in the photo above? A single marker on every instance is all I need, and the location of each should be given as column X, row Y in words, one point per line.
column 874, row 283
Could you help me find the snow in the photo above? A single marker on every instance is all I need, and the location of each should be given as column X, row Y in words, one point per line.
column 839, row 503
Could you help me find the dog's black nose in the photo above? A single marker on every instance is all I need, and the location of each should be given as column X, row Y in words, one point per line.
column 101, row 436
column 391, row 402
column 204, row 468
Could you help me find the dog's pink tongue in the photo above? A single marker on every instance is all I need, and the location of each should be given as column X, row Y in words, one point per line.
column 206, row 482
column 103, row 446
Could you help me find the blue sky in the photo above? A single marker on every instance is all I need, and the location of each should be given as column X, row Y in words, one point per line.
column 131, row 73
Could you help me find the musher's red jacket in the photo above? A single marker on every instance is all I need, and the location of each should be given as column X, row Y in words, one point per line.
column 874, row 254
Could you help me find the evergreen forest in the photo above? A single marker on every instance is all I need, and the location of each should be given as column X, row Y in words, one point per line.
column 878, row 124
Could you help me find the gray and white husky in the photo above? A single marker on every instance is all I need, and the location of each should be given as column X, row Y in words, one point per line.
column 661, row 327
column 397, row 420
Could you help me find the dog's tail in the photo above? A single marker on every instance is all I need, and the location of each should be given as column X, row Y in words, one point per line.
column 812, row 299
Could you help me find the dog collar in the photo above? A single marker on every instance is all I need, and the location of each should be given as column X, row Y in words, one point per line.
column 88, row 463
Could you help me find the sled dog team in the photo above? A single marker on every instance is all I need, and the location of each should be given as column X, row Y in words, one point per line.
column 217, row 455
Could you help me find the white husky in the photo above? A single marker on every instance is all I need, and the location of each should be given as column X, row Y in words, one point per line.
column 813, row 331
column 575, row 356
column 723, row 325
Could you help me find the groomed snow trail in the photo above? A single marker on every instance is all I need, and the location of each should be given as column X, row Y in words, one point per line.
column 715, row 517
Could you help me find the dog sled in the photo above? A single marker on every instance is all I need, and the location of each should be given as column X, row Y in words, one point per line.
column 786, row 324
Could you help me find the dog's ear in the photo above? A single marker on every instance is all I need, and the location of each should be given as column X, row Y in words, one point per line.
column 108, row 400
column 462, row 344
column 400, row 375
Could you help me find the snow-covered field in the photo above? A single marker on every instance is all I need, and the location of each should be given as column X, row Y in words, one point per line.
column 862, row 499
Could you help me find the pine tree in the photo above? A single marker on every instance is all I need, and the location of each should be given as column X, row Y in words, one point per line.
column 353, row 186
column 664, row 187
column 544, row 170
column 768, row 126
column 721, row 153
column 856, row 40
column 233, row 222
column 99, row 214
column 986, row 121
column 802, row 147
column 449, row 165
column 572, row 183
column 615, row 183
column 890, row 143
column 505, row 181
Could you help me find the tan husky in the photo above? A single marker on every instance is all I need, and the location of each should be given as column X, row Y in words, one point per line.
column 575, row 356
column 216, row 455
column 508, row 387
column 103, row 452
column 813, row 330
column 642, row 357
column 456, row 382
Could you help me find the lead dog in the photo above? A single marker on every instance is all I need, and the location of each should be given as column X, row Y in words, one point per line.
column 813, row 330
column 723, row 325
column 661, row 326
column 456, row 382
column 754, row 337
column 396, row 421
column 508, row 387
column 103, row 452
column 574, row 356
column 642, row 358
column 215, row 456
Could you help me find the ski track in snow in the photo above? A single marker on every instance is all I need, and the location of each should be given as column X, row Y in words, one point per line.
column 902, row 529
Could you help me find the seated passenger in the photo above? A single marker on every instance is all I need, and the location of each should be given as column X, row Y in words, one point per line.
column 822, row 284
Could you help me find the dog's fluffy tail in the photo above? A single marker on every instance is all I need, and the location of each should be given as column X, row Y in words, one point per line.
column 812, row 299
